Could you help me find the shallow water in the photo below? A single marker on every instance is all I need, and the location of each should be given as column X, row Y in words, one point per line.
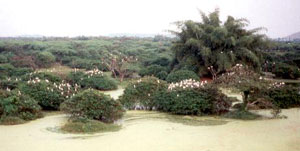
column 143, row 131
column 154, row 131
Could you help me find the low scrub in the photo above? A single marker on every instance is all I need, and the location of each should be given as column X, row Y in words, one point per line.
column 16, row 107
column 92, row 79
column 192, row 98
column 93, row 105
column 49, row 95
column 180, row 75
column 140, row 93
column 242, row 115
column 285, row 96
column 89, row 126
column 286, row 71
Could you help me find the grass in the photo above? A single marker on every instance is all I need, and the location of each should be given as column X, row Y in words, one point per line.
column 11, row 120
column 241, row 115
column 181, row 119
column 91, row 126
column 59, row 70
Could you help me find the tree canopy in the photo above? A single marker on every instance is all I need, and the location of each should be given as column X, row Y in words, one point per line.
column 210, row 47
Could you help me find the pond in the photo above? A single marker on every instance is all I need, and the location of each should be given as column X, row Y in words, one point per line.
column 144, row 130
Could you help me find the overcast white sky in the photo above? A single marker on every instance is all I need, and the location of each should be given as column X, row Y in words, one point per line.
column 102, row 17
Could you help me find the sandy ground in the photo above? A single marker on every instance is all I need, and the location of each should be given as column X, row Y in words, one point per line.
column 158, row 134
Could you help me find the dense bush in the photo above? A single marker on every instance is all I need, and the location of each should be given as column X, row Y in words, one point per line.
column 3, row 59
column 43, row 76
column 96, row 80
column 162, row 75
column 7, row 70
column 285, row 97
column 99, row 82
column 85, row 63
column 153, row 70
column 139, row 94
column 10, row 83
column 18, row 105
column 45, row 59
column 180, row 75
column 91, row 104
column 48, row 95
column 286, row 71
column 192, row 101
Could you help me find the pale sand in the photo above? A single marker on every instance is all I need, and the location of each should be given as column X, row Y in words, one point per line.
column 158, row 134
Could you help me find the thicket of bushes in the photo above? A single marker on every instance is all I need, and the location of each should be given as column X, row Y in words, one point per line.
column 193, row 101
column 47, row 94
column 140, row 93
column 152, row 93
column 16, row 107
column 286, row 71
column 154, row 70
column 93, row 105
column 180, row 75
column 96, row 81
column 284, row 97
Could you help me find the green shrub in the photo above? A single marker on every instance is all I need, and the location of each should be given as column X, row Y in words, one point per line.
column 93, row 105
column 140, row 93
column 90, row 126
column 3, row 59
column 48, row 95
column 44, row 59
column 192, row 101
column 242, row 115
column 11, row 120
column 9, row 83
column 85, row 63
column 96, row 81
column 17, row 104
column 75, row 77
column 99, row 82
column 285, row 97
column 180, row 75
column 7, row 70
column 152, row 70
column 43, row 76
column 162, row 75
column 286, row 71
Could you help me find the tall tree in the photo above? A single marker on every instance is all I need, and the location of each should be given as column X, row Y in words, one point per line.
column 211, row 47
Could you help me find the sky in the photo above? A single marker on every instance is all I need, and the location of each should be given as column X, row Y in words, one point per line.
column 103, row 17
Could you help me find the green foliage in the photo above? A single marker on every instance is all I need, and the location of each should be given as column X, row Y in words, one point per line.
column 152, row 70
column 86, row 64
column 93, row 105
column 139, row 94
column 192, row 101
column 285, row 97
column 217, row 45
column 162, row 75
column 48, row 95
column 89, row 126
column 99, row 82
column 3, row 59
column 286, row 71
column 11, row 120
column 180, row 75
column 7, row 70
column 242, row 115
column 18, row 105
column 43, row 76
column 45, row 59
